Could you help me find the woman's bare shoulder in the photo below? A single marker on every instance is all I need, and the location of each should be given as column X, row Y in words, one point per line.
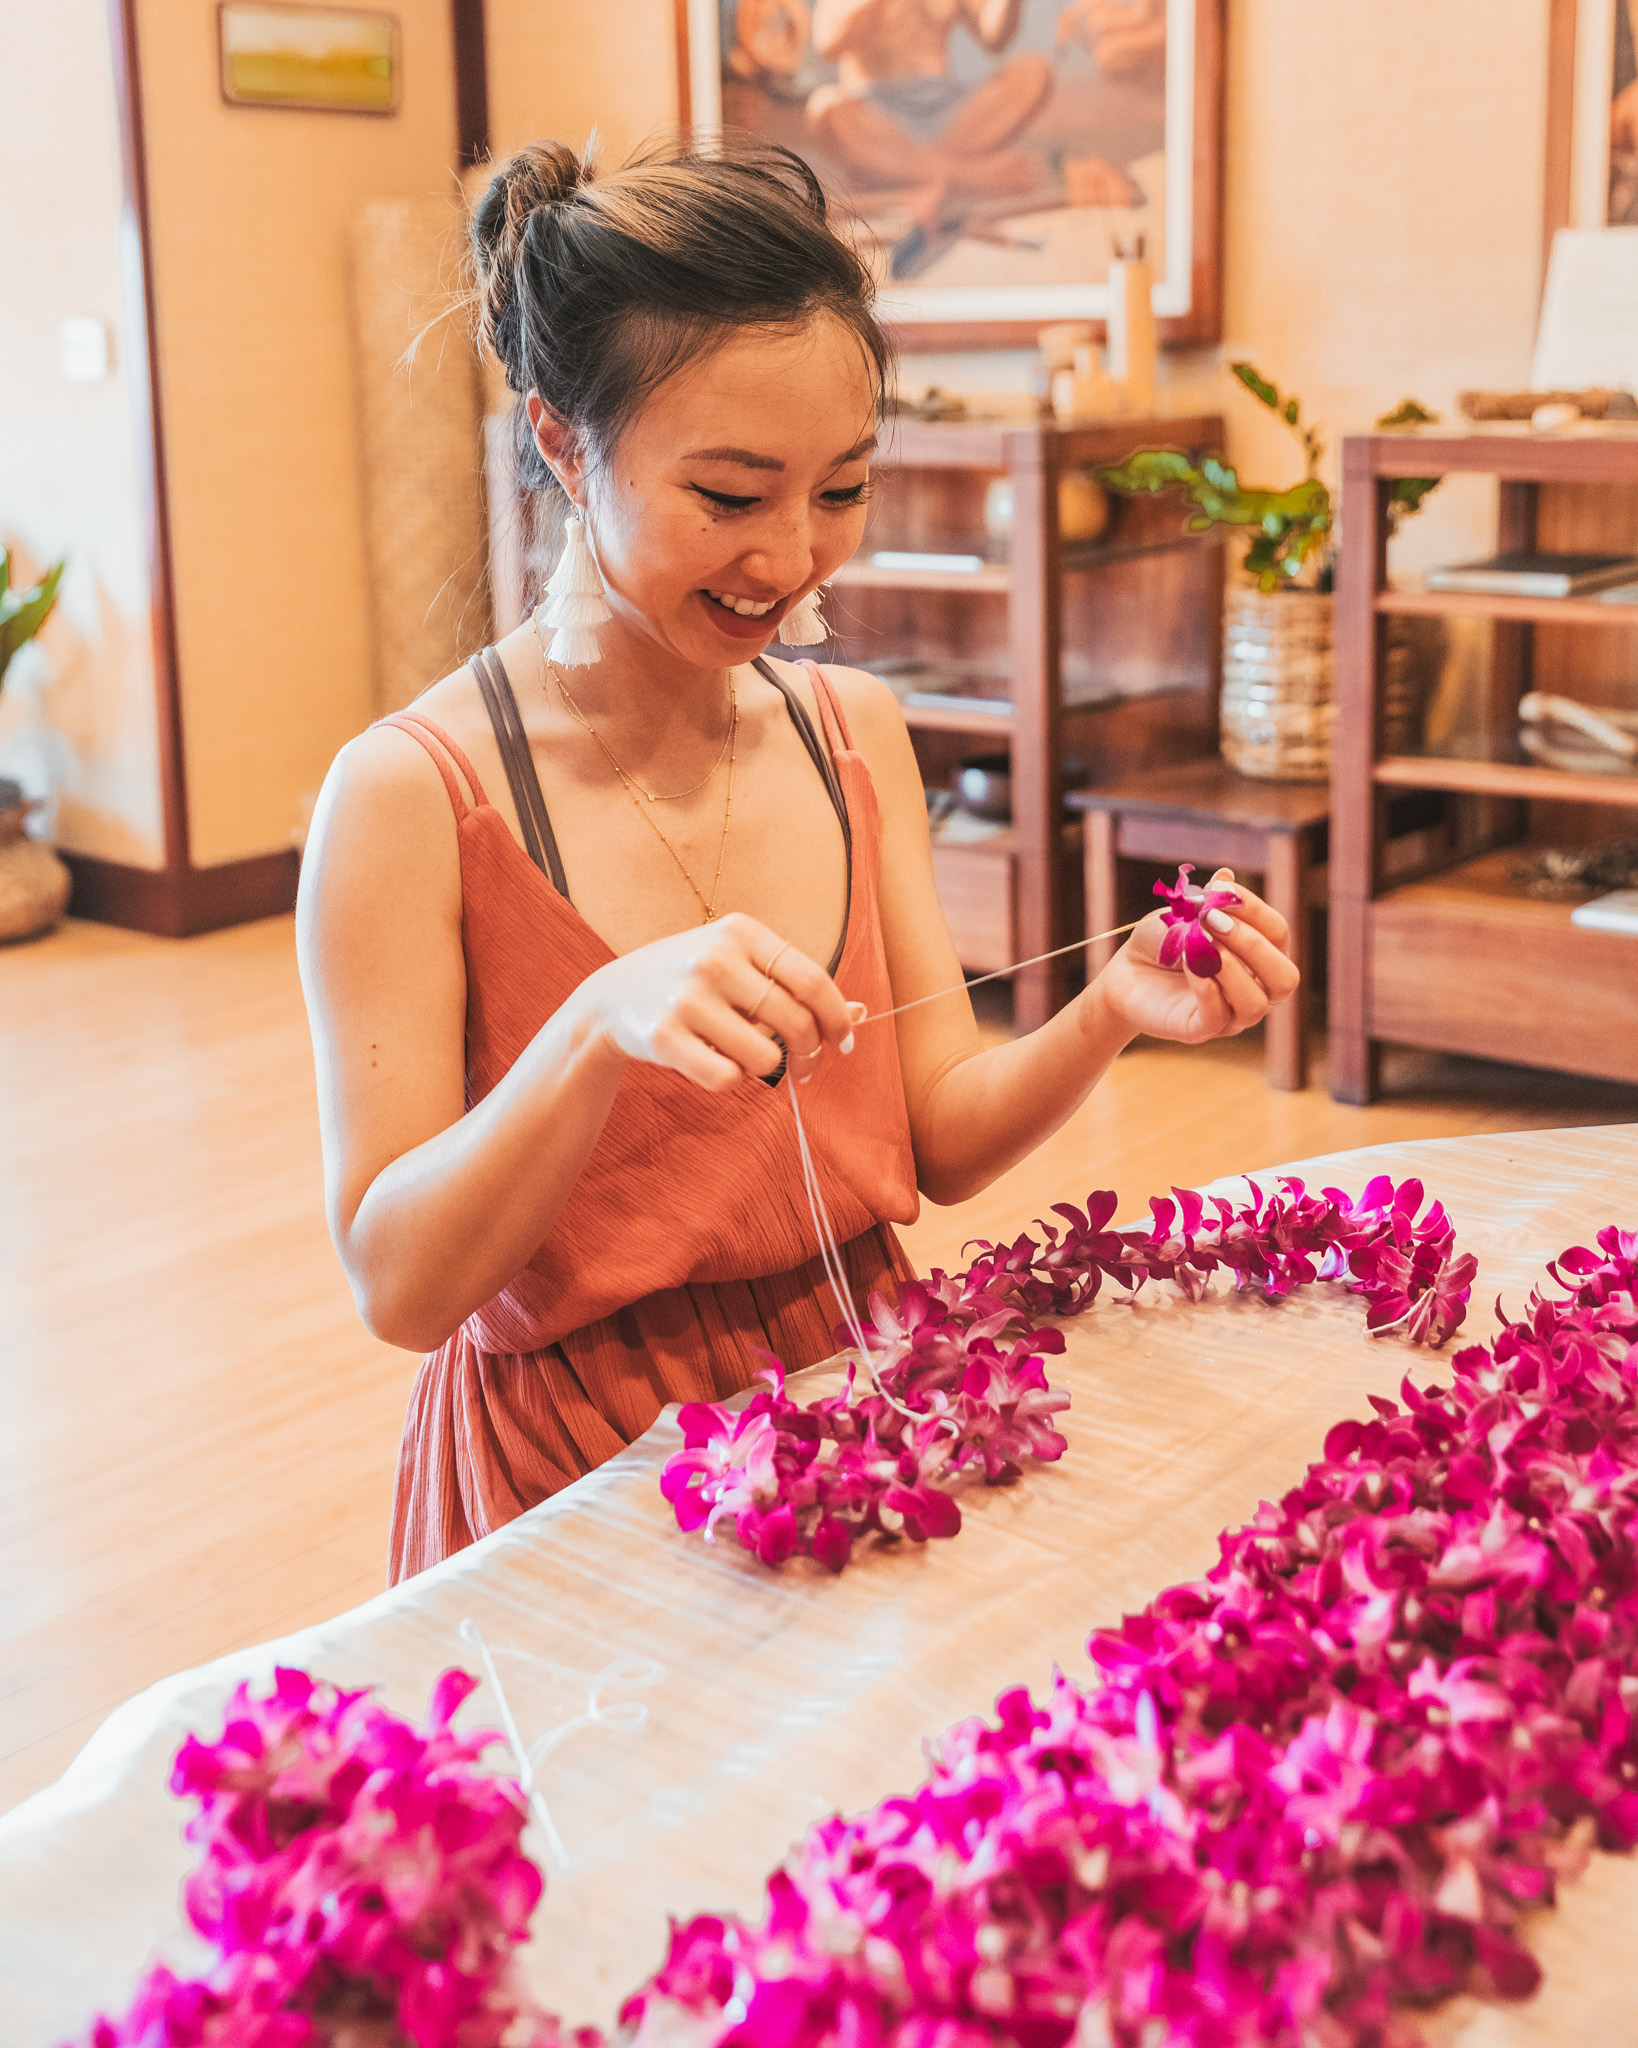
column 869, row 706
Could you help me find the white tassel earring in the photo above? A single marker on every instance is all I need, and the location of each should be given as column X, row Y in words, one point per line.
column 574, row 605
column 805, row 625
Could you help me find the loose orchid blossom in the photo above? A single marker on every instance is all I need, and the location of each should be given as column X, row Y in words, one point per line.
column 1186, row 908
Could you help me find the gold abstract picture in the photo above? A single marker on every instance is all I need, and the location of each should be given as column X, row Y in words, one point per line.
column 339, row 59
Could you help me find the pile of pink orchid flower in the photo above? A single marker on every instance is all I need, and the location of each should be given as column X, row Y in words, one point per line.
column 361, row 1880
column 1317, row 1788
column 956, row 1379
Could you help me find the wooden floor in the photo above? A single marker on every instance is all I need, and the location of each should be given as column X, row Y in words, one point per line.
column 197, row 1437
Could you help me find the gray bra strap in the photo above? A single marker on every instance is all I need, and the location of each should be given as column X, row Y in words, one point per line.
column 502, row 705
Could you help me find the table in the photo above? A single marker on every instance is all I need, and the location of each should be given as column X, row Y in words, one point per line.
column 776, row 1697
column 1202, row 811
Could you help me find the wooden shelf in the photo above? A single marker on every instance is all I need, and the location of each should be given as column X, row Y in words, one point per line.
column 1076, row 560
column 1467, row 962
column 1464, row 961
column 1559, row 611
column 994, row 576
column 1477, row 777
column 1595, row 452
column 1000, row 444
column 938, row 718
column 1000, row 628
column 978, row 885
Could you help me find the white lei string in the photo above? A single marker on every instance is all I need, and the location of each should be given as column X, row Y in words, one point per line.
column 829, row 1250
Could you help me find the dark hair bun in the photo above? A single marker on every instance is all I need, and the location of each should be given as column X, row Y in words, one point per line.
column 543, row 174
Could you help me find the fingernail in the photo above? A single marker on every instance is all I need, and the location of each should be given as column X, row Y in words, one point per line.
column 1220, row 921
column 847, row 1043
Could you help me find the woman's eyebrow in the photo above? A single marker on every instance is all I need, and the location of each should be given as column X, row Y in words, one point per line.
column 747, row 458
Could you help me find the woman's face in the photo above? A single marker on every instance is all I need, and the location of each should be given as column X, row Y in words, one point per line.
column 738, row 487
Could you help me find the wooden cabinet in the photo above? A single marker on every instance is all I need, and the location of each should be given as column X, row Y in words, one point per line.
column 1106, row 650
column 1461, row 958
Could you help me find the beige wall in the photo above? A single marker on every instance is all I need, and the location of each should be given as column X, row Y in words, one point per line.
column 70, row 453
column 251, row 209
column 562, row 67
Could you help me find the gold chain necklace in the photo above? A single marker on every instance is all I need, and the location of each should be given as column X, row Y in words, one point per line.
column 641, row 798
column 649, row 795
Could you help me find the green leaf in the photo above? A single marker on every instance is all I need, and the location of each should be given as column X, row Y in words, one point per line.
column 1409, row 491
column 23, row 613
column 1407, row 413
column 1257, row 384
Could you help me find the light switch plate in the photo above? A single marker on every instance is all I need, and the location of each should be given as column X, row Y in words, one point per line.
column 87, row 349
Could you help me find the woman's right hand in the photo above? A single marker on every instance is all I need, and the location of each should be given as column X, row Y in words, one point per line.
column 710, row 1001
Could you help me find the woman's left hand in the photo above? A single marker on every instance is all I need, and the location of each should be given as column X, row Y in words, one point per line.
column 1172, row 1002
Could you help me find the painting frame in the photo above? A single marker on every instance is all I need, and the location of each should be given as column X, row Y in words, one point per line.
column 296, row 102
column 1188, row 297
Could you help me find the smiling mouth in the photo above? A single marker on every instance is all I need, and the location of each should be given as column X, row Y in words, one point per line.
column 742, row 607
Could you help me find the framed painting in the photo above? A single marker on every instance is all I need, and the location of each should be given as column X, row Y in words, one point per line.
column 325, row 59
column 1592, row 114
column 996, row 154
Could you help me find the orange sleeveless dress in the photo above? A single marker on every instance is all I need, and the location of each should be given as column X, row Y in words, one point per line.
column 687, row 1248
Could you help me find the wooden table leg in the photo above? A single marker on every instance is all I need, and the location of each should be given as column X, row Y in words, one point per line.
column 1284, row 876
column 1102, row 885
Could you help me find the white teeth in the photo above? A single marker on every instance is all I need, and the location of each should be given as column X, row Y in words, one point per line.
column 747, row 607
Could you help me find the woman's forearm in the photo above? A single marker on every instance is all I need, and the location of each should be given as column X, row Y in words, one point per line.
column 986, row 1112
column 448, row 1224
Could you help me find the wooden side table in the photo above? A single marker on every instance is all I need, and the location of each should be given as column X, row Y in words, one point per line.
column 1203, row 812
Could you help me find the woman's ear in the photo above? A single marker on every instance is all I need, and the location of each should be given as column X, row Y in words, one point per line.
column 558, row 445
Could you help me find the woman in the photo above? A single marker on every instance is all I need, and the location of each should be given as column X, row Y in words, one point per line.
column 559, row 924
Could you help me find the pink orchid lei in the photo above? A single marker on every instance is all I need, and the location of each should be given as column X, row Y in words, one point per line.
column 360, row 1878
column 958, row 1383
column 1315, row 1788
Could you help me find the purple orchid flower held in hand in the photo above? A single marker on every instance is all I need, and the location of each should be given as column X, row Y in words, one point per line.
column 1186, row 907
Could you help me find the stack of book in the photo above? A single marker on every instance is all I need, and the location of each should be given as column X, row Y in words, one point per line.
column 1529, row 572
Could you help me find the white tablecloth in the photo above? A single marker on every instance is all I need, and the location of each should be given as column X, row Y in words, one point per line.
column 775, row 1697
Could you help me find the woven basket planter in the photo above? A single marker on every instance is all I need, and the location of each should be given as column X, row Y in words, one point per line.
column 34, row 884
column 1279, row 701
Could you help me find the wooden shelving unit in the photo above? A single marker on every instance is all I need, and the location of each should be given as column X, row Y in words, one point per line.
column 1053, row 622
column 1463, row 959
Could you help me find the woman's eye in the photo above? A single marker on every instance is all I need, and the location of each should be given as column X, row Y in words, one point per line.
column 721, row 499
column 854, row 495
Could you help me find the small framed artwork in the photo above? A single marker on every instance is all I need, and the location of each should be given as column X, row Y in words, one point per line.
column 997, row 154
column 341, row 60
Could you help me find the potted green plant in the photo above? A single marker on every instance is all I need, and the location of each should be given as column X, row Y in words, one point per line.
column 34, row 883
column 1278, row 702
